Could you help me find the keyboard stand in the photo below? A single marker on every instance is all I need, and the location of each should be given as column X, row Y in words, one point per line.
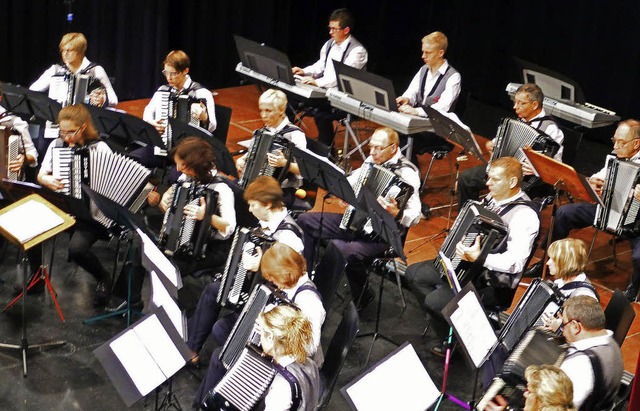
column 350, row 133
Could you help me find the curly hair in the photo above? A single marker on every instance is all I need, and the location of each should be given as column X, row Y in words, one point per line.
column 551, row 387
column 290, row 329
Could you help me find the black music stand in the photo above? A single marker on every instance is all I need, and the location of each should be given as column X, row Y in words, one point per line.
column 30, row 104
column 318, row 170
column 386, row 227
column 224, row 160
column 562, row 177
column 124, row 126
column 123, row 217
column 50, row 222
column 451, row 130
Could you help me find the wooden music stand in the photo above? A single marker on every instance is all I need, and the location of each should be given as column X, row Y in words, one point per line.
column 52, row 221
column 562, row 177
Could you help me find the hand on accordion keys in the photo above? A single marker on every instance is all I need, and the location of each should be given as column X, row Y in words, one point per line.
column 597, row 184
column 51, row 182
column 470, row 253
column 636, row 192
column 199, row 112
column 551, row 322
column 16, row 164
column 391, row 205
column 277, row 160
column 196, row 212
column 251, row 257
column 499, row 403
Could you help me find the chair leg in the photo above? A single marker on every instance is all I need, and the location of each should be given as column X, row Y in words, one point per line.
column 426, row 176
column 399, row 283
column 593, row 241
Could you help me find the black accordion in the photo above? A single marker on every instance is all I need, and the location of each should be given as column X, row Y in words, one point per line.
column 237, row 282
column 619, row 215
column 257, row 163
column 244, row 384
column 540, row 298
column 246, row 330
column 177, row 107
column 382, row 182
column 9, row 150
column 186, row 237
column 473, row 220
column 68, row 88
column 117, row 177
column 513, row 135
column 536, row 348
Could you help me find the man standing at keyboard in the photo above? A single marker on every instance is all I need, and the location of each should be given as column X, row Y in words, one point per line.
column 342, row 47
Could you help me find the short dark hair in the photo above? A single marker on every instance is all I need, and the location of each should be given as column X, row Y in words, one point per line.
column 343, row 16
column 265, row 190
column 198, row 155
column 533, row 92
column 587, row 311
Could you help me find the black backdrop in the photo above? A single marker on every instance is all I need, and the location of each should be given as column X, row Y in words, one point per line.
column 597, row 43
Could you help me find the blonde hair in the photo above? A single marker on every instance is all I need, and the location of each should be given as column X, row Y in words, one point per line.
column 552, row 388
column 438, row 39
column 79, row 114
column 274, row 98
column 76, row 41
column 570, row 256
column 290, row 329
column 282, row 264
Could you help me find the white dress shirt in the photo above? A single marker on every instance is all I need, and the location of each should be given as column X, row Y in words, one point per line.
column 325, row 76
column 448, row 96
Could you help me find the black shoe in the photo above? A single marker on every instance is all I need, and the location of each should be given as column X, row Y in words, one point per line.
column 367, row 298
column 102, row 294
column 425, row 211
column 534, row 271
column 118, row 304
column 631, row 293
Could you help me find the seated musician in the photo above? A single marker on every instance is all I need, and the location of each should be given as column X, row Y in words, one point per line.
column 195, row 159
column 528, row 107
column 342, row 47
column 77, row 130
column 359, row 247
column 548, row 388
column 283, row 267
column 264, row 196
column 175, row 68
column 27, row 153
column 273, row 106
column 73, row 47
column 626, row 146
column 502, row 269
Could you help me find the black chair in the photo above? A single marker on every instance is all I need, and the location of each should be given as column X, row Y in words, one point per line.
column 223, row 119
column 330, row 271
column 301, row 205
column 619, row 315
column 571, row 144
column 337, row 352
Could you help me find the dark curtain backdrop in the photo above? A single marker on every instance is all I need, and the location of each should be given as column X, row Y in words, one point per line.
column 597, row 43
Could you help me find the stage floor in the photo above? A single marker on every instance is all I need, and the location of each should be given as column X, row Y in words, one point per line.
column 70, row 378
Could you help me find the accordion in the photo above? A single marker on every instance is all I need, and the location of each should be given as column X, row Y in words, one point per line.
column 186, row 237
column 244, row 384
column 257, row 163
column 237, row 282
column 536, row 348
column 113, row 175
column 473, row 220
column 382, row 182
column 246, row 330
column 68, row 88
column 9, row 150
column 620, row 212
column 177, row 107
column 540, row 298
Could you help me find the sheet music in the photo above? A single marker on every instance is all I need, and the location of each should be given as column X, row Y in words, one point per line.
column 40, row 220
column 451, row 273
column 398, row 383
column 160, row 297
column 138, row 362
column 154, row 337
column 473, row 328
column 154, row 259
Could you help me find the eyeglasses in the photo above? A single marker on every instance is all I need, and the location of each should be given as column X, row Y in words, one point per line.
column 332, row 29
column 65, row 134
column 67, row 51
column 171, row 74
column 564, row 324
column 379, row 148
column 621, row 143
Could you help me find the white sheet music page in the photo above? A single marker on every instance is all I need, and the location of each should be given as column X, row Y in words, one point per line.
column 155, row 338
column 160, row 297
column 153, row 258
column 138, row 362
column 399, row 383
column 473, row 328
column 29, row 220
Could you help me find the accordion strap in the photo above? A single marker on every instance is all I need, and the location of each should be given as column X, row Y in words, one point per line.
column 573, row 285
column 593, row 401
column 296, row 391
column 304, row 287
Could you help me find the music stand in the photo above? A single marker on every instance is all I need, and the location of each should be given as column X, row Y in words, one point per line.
column 562, row 177
column 224, row 160
column 124, row 126
column 45, row 221
column 123, row 217
column 448, row 127
column 30, row 104
column 143, row 357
